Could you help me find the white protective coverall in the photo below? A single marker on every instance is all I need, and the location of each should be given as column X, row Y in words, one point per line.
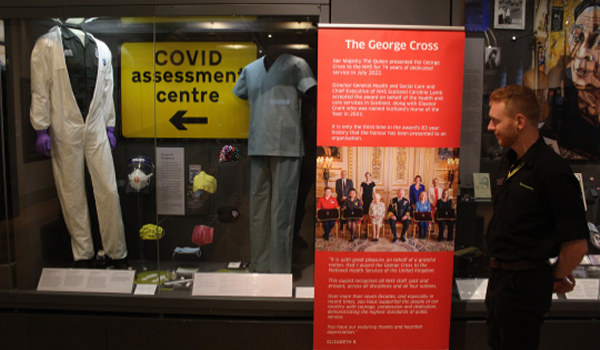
column 53, row 106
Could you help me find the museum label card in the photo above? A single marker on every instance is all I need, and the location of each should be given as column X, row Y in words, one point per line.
column 584, row 289
column 472, row 289
column 242, row 285
column 170, row 181
column 145, row 289
column 305, row 292
column 234, row 265
column 86, row 281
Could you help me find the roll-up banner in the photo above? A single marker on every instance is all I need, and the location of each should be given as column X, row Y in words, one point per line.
column 388, row 128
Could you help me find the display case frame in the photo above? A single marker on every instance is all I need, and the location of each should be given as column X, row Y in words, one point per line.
column 29, row 307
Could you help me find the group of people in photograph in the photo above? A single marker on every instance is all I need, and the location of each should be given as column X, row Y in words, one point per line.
column 366, row 204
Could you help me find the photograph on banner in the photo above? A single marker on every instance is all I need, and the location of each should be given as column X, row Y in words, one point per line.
column 569, row 78
column 386, row 199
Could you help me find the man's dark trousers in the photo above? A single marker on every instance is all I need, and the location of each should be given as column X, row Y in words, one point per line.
column 517, row 302
column 405, row 225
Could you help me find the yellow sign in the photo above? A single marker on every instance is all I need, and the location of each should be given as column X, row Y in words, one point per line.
column 189, row 83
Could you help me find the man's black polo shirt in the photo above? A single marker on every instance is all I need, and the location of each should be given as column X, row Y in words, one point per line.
column 82, row 65
column 537, row 206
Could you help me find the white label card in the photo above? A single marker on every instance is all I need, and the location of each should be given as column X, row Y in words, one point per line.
column 584, row 289
column 86, row 281
column 234, row 265
column 170, row 181
column 472, row 289
column 305, row 292
column 145, row 289
column 242, row 285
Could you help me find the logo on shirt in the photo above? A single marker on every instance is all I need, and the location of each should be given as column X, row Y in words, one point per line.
column 525, row 186
column 68, row 53
column 104, row 62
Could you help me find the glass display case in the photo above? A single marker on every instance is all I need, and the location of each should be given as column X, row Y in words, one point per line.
column 129, row 143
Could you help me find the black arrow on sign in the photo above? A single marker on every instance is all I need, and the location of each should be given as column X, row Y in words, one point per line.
column 177, row 120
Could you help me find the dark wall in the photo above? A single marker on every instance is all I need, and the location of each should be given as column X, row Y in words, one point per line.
column 69, row 3
column 406, row 12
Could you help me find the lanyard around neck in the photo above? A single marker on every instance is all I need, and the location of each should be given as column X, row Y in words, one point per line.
column 515, row 170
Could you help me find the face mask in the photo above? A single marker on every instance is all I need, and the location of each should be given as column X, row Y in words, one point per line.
column 138, row 180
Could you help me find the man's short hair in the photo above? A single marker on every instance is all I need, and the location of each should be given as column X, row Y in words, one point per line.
column 519, row 99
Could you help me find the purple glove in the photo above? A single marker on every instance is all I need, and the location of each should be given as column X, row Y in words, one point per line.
column 42, row 143
column 110, row 131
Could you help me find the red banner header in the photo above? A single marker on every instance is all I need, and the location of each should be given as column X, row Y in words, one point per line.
column 390, row 88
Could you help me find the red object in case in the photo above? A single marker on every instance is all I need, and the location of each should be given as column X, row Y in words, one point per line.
column 202, row 235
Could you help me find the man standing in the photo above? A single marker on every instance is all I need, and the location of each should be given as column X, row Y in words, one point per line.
column 342, row 187
column 400, row 209
column 538, row 214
